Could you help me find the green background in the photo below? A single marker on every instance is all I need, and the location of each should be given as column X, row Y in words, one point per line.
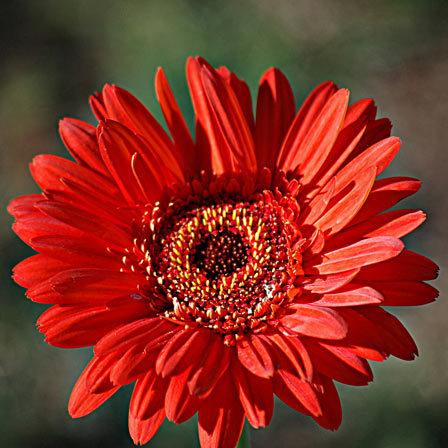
column 53, row 54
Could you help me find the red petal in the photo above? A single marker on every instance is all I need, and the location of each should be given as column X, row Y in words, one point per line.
column 343, row 207
column 50, row 171
column 363, row 338
column 315, row 209
column 97, row 104
column 131, row 365
column 123, row 107
column 316, row 322
column 386, row 193
column 98, row 374
column 289, row 350
column 402, row 293
column 221, row 417
column 329, row 283
column 256, row 396
column 37, row 269
column 406, row 266
column 362, row 253
column 275, row 112
column 303, row 122
column 148, row 396
column 82, row 402
column 242, row 94
column 80, row 139
column 296, row 393
column 355, row 124
column 77, row 250
column 254, row 355
column 396, row 223
column 216, row 362
column 82, row 326
column 331, row 406
column 180, row 405
column 183, row 350
column 175, row 121
column 376, row 131
column 311, row 153
column 397, row 340
column 339, row 363
column 141, row 331
column 142, row 431
column 379, row 155
column 85, row 222
column 118, row 146
column 220, row 115
column 350, row 295
column 85, row 285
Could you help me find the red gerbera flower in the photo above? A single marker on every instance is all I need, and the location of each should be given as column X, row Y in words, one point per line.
column 217, row 272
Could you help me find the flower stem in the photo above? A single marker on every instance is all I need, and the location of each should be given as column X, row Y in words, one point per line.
column 244, row 441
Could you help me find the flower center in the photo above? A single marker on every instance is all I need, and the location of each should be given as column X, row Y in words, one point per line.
column 220, row 254
column 227, row 266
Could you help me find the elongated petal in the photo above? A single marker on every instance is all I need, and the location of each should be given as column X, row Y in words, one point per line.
column 343, row 209
column 297, row 393
column 123, row 107
column 180, row 405
column 85, row 222
column 221, row 117
column 327, row 283
column 256, row 396
column 310, row 154
column 351, row 295
column 221, row 417
column 331, row 417
column 379, row 155
column 339, row 363
column 386, row 193
column 289, row 350
column 80, row 139
column 37, row 269
column 354, row 127
column 142, row 431
column 183, row 350
column 175, row 120
column 81, row 326
column 317, row 322
column 396, row 338
column 242, row 94
column 275, row 112
column 303, row 122
column 49, row 171
column 405, row 293
column 362, row 253
column 254, row 355
column 141, row 331
column 77, row 286
column 148, row 396
column 406, row 266
column 82, row 402
column 396, row 223
column 202, row 379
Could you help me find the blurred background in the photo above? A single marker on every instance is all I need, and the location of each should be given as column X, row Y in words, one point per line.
column 53, row 54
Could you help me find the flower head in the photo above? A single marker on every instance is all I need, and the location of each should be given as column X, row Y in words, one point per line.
column 218, row 271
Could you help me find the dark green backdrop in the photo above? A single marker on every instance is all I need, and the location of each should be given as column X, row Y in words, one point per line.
column 53, row 54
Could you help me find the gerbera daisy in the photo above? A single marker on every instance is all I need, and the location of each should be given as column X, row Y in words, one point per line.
column 218, row 271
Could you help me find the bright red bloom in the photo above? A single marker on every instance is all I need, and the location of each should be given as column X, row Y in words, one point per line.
column 217, row 272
